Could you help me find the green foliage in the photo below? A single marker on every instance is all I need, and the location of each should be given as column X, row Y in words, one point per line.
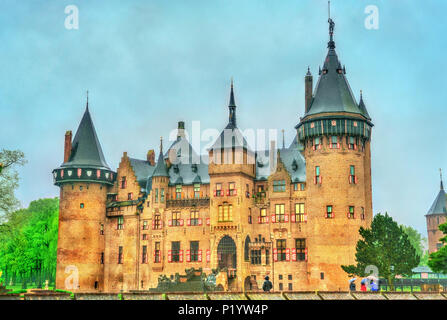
column 387, row 246
column 9, row 180
column 438, row 260
column 28, row 240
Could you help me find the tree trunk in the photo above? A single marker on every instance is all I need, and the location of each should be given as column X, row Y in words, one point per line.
column 391, row 282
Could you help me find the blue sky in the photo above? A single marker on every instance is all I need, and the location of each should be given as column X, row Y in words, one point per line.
column 149, row 64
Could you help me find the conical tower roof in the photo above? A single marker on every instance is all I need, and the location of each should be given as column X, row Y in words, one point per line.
column 160, row 168
column 86, row 150
column 439, row 205
column 332, row 92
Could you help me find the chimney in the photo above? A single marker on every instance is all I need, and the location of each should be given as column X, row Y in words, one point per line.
column 151, row 157
column 308, row 83
column 181, row 129
column 67, row 146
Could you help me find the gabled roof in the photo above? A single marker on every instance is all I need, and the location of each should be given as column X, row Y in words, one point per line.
column 86, row 150
column 142, row 170
column 332, row 92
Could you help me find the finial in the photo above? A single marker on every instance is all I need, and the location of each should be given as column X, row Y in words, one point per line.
column 331, row 22
column 283, row 139
column 161, row 144
column 308, row 71
column 440, row 175
column 361, row 94
column 87, row 100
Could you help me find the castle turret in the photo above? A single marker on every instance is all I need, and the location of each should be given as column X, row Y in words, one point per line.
column 336, row 133
column 84, row 178
column 308, row 84
column 436, row 215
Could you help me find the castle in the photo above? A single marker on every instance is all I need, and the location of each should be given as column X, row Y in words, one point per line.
column 296, row 221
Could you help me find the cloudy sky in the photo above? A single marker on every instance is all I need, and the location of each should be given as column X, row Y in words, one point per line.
column 149, row 64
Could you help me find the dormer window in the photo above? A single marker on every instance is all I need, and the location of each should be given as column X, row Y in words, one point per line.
column 178, row 191
column 279, row 185
column 197, row 190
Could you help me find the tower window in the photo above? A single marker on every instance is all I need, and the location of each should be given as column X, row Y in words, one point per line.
column 156, row 195
column 120, row 255
column 351, row 214
column 123, row 183
column 162, row 195
column 299, row 212
column 120, row 224
column 316, row 143
column 317, row 178
column 352, row 176
column 81, row 206
column 144, row 255
column 334, row 143
column 362, row 215
column 329, row 213
column 352, row 143
column 225, row 212
column 279, row 185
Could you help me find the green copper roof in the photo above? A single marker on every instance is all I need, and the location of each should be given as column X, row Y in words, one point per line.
column 86, row 150
column 332, row 92
column 160, row 168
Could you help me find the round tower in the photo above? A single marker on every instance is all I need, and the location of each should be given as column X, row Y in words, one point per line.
column 436, row 215
column 336, row 133
column 84, row 179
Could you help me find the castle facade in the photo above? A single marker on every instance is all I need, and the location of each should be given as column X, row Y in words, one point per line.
column 292, row 213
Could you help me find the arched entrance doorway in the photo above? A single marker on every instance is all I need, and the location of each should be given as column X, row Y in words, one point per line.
column 226, row 253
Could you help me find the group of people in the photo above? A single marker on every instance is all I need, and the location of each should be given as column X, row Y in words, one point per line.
column 374, row 287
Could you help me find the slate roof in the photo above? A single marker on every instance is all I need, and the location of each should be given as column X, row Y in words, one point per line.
column 332, row 92
column 142, row 170
column 439, row 205
column 188, row 174
column 86, row 150
column 160, row 168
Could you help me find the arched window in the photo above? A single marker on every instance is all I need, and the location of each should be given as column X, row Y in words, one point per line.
column 247, row 249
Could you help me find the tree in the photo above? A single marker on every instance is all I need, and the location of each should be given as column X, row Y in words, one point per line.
column 9, row 179
column 418, row 242
column 438, row 260
column 385, row 245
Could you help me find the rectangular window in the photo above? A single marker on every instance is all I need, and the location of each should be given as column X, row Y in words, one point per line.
column 317, row 178
column 279, row 212
column 295, row 186
column 267, row 256
column 352, row 145
column 317, row 143
column 352, row 177
column 157, row 222
column 281, row 249
column 299, row 212
column 120, row 255
column 102, row 257
column 81, row 206
column 175, row 251
column 290, row 287
column 255, row 256
column 263, row 215
column 144, row 255
column 156, row 195
column 101, row 229
column 225, row 212
column 178, row 191
column 123, row 183
column 219, row 191
column 362, row 215
column 334, row 142
column 144, row 236
column 194, row 250
column 157, row 255
column 281, row 287
column 194, row 218
column 279, row 185
column 145, row 225
column 162, row 195
column 129, row 196
column 120, row 223
column 300, row 245
column 197, row 190
column 302, row 186
column 351, row 214
column 329, row 213
column 176, row 219
column 231, row 189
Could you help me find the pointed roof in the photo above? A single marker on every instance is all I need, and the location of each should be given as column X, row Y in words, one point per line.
column 439, row 205
column 362, row 106
column 86, row 150
column 332, row 92
column 160, row 168
column 232, row 109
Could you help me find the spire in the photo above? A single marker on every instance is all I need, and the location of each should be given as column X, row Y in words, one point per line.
column 160, row 168
column 232, row 109
column 440, row 175
column 86, row 150
column 87, row 102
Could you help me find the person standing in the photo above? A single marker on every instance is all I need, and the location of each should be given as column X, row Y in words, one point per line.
column 267, row 286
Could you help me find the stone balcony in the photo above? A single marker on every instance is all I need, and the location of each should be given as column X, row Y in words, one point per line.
column 188, row 203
